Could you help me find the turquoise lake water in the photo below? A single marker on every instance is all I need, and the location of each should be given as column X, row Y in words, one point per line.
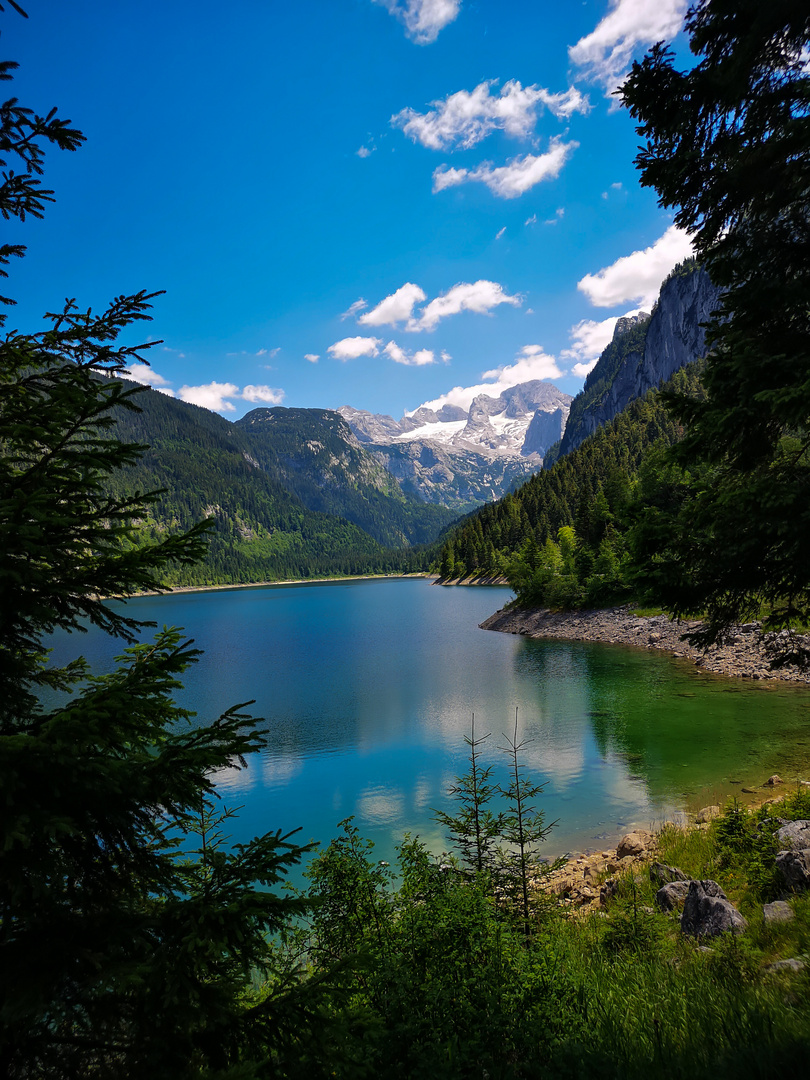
column 367, row 689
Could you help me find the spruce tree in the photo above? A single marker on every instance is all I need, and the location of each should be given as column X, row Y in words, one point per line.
column 127, row 948
column 727, row 146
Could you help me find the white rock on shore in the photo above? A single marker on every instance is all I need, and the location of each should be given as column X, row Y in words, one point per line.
column 743, row 656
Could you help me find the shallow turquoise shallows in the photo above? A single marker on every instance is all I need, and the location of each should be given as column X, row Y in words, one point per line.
column 368, row 689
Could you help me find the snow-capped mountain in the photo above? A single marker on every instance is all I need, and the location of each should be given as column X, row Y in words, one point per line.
column 523, row 421
column 462, row 457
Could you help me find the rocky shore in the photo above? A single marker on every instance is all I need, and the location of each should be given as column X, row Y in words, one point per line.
column 584, row 880
column 744, row 656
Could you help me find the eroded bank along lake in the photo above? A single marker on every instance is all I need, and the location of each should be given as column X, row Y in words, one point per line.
column 368, row 687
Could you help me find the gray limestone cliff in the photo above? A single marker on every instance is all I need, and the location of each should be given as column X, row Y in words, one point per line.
column 645, row 353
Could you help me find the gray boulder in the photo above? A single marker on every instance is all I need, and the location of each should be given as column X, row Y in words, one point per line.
column 662, row 874
column 608, row 891
column 708, row 912
column 777, row 912
column 794, row 964
column 795, row 867
column 794, row 836
column 672, row 895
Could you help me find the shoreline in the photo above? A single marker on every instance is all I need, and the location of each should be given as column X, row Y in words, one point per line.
column 743, row 657
column 172, row 589
column 577, row 881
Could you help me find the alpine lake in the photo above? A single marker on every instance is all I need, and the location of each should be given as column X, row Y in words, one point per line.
column 368, row 688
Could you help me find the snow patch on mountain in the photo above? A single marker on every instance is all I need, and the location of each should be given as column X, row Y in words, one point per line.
column 492, row 426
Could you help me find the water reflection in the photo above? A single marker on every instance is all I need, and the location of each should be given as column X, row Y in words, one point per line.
column 368, row 690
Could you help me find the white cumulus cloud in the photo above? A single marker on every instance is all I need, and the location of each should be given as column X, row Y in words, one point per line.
column 354, row 309
column 423, row 19
column 147, row 376
column 513, row 179
column 312, row 357
column 214, row 396
column 401, row 356
column 606, row 53
column 219, row 397
column 351, row 348
column 478, row 296
column 394, row 308
column 636, row 278
column 531, row 362
column 267, row 394
column 465, row 118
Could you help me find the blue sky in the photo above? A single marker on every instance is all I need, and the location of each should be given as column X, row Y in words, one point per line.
column 377, row 203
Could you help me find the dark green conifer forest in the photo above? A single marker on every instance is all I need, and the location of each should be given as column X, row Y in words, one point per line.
column 255, row 482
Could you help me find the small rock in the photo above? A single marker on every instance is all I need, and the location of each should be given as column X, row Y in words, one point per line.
column 672, row 895
column 708, row 912
column 772, row 781
column 795, row 867
column 749, row 790
column 608, row 891
column 634, row 843
column 794, row 964
column 794, row 835
column 777, row 912
column 663, row 874
column 708, row 813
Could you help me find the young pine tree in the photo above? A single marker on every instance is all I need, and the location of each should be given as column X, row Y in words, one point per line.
column 474, row 831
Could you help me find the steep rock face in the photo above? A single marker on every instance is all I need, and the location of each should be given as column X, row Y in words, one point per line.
column 461, row 480
column 627, row 322
column 674, row 337
column 462, row 457
column 545, row 428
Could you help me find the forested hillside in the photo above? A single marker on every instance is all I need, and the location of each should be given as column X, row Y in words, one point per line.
column 269, row 517
column 563, row 538
column 318, row 458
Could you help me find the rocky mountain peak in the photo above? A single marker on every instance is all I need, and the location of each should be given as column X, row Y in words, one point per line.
column 627, row 322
